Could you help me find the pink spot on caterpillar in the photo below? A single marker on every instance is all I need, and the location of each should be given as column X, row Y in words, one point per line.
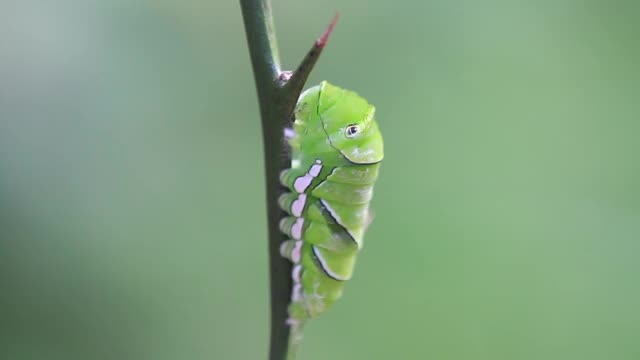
column 315, row 169
column 298, row 205
column 296, row 229
column 295, row 274
column 296, row 253
column 302, row 183
column 296, row 294
column 289, row 133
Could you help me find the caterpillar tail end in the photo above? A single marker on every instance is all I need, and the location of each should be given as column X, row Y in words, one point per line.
column 295, row 336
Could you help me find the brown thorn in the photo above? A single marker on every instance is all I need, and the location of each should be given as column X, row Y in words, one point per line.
column 296, row 81
column 322, row 41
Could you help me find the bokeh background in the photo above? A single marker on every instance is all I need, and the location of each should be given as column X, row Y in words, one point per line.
column 132, row 222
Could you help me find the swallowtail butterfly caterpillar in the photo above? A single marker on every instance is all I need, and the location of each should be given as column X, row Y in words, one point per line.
column 336, row 150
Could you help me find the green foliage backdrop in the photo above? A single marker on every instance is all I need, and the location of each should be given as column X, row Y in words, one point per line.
column 132, row 223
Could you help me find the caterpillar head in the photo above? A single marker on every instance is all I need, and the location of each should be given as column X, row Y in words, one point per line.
column 347, row 121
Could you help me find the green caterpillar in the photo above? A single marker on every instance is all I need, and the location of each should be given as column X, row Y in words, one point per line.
column 336, row 150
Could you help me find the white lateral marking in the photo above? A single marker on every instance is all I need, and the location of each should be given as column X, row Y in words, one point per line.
column 315, row 168
column 354, row 238
column 296, row 253
column 295, row 274
column 298, row 205
column 302, row 183
column 333, row 213
column 296, row 228
column 289, row 133
column 296, row 294
column 325, row 267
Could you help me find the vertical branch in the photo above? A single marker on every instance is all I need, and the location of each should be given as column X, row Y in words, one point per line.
column 277, row 97
column 263, row 50
column 261, row 36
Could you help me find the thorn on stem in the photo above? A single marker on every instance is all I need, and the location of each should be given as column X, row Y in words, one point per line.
column 295, row 82
column 322, row 41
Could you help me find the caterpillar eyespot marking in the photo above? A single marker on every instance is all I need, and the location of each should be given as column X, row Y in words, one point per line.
column 351, row 130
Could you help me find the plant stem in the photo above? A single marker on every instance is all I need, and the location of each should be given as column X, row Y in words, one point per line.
column 277, row 97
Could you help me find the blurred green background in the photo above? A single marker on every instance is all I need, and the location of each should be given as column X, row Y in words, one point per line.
column 132, row 222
